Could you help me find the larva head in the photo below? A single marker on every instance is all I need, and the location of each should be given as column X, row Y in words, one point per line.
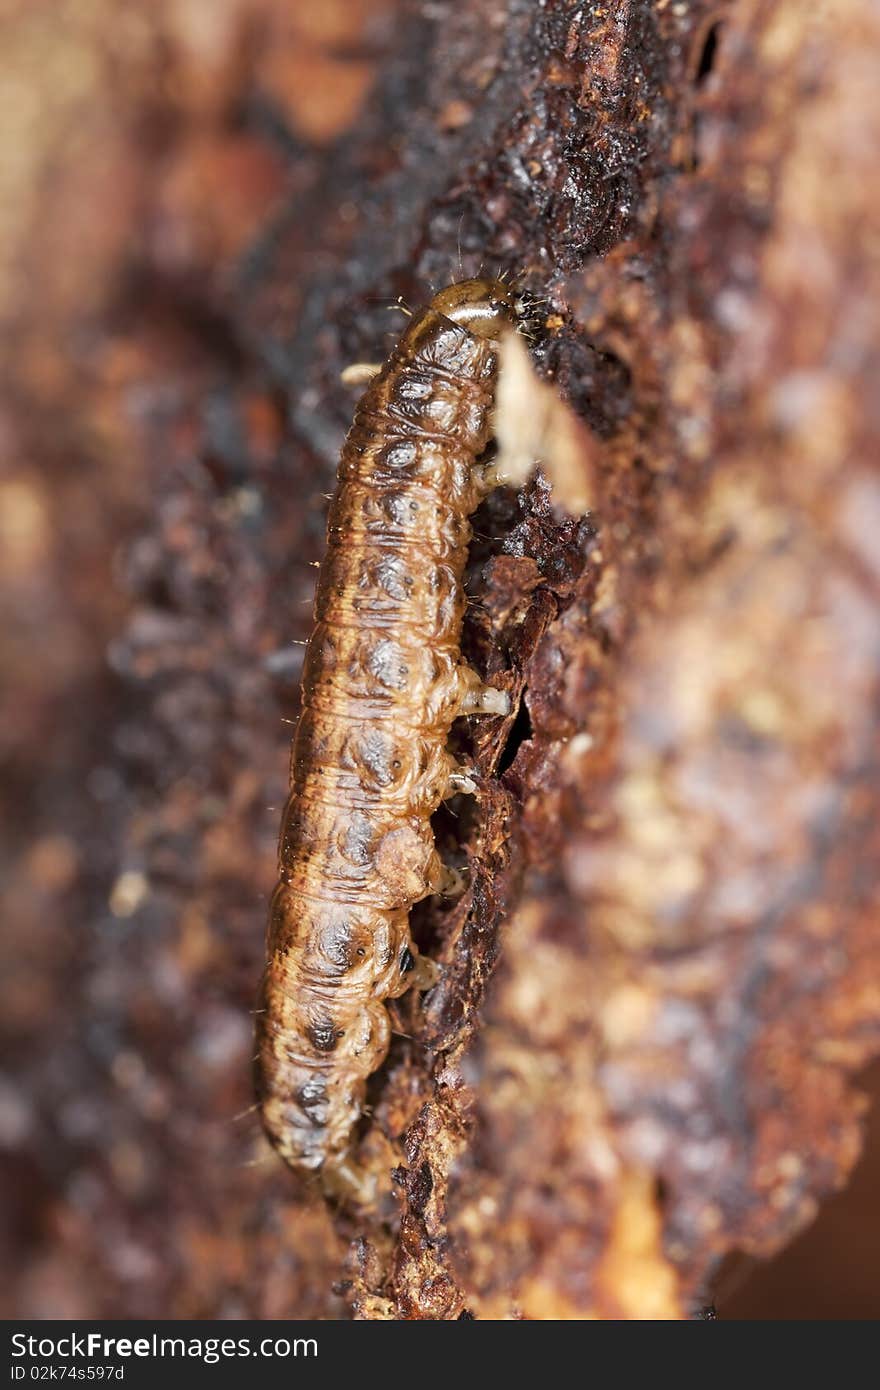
column 484, row 307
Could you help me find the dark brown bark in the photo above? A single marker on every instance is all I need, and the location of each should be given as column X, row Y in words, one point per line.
column 662, row 980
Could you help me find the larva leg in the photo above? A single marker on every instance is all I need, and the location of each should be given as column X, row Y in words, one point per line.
column 492, row 475
column 425, row 975
column 446, row 882
column 478, row 698
column 460, row 781
column 486, row 700
column 450, row 883
column 348, row 1182
column 359, row 373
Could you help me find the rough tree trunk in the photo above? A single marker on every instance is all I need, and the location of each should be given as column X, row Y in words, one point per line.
column 664, row 972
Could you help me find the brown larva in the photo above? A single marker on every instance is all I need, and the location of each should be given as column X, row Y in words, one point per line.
column 383, row 681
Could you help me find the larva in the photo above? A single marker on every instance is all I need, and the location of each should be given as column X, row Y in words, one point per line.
column 383, row 681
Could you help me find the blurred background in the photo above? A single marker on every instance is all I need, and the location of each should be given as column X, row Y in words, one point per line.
column 156, row 529
column 146, row 150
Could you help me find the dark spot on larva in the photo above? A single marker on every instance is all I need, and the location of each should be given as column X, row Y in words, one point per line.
column 371, row 752
column 322, row 1034
column 386, row 663
column 401, row 453
column 357, row 840
column 398, row 512
column 311, row 1096
column 407, row 961
column 336, row 944
column 414, row 388
column 387, row 575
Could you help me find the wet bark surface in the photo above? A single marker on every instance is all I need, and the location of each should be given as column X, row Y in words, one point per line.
column 660, row 982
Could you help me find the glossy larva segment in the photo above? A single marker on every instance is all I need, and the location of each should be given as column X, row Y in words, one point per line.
column 382, row 683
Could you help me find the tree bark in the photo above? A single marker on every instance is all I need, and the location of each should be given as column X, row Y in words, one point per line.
column 661, row 979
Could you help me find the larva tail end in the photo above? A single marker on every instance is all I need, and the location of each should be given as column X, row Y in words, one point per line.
column 486, row 699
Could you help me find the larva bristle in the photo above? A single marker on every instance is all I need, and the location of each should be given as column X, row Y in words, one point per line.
column 243, row 1114
column 259, row 1162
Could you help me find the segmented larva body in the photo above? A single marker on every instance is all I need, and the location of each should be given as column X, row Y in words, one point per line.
column 383, row 681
